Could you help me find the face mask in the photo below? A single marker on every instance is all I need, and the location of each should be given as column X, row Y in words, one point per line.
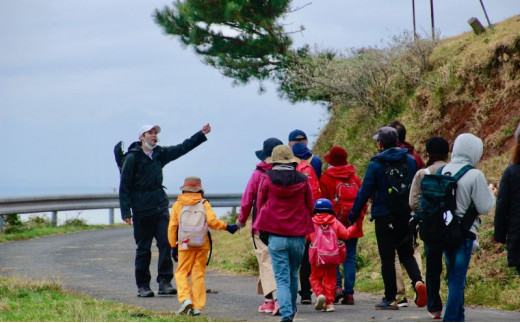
column 148, row 146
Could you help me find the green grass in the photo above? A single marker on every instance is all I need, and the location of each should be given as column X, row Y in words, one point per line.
column 47, row 302
column 46, row 230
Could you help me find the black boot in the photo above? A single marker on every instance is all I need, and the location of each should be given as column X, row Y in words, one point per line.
column 166, row 288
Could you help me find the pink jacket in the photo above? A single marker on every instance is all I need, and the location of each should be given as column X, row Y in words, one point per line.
column 251, row 193
column 325, row 218
column 284, row 210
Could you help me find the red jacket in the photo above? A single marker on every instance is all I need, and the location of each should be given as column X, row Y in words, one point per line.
column 411, row 151
column 328, row 182
column 284, row 209
column 325, row 218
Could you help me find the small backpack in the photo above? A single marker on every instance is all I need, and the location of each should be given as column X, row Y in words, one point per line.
column 344, row 198
column 399, row 181
column 326, row 250
column 305, row 168
column 193, row 227
column 438, row 224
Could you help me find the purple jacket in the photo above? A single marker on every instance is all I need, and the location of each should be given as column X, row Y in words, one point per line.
column 250, row 195
column 285, row 208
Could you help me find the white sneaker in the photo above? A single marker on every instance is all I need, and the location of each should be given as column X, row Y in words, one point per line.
column 320, row 302
column 186, row 306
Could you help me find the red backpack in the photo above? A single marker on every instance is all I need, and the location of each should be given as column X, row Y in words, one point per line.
column 326, row 250
column 306, row 168
column 344, row 198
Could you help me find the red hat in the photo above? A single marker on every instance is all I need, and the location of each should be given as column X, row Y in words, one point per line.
column 337, row 156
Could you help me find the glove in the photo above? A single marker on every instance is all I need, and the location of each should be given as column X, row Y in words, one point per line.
column 232, row 228
column 351, row 218
column 241, row 224
column 175, row 254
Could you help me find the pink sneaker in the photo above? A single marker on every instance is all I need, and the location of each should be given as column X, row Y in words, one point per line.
column 276, row 309
column 266, row 307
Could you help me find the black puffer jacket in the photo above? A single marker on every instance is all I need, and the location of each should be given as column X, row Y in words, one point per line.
column 141, row 189
column 507, row 214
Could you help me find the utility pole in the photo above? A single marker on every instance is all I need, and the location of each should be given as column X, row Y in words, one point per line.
column 433, row 20
column 413, row 13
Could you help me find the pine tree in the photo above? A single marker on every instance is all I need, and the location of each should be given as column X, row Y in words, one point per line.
column 243, row 39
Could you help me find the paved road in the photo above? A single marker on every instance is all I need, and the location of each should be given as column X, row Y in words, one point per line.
column 100, row 264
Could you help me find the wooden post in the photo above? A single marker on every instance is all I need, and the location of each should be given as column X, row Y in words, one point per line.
column 476, row 25
column 54, row 218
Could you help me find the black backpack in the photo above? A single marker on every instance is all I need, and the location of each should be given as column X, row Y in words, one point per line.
column 438, row 224
column 399, row 179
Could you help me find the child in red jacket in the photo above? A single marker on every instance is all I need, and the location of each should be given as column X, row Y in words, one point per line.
column 323, row 277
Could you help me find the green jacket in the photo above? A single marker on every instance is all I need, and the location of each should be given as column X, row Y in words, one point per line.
column 141, row 187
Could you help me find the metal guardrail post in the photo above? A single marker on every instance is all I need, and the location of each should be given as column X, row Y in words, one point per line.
column 54, row 218
column 1, row 223
column 110, row 216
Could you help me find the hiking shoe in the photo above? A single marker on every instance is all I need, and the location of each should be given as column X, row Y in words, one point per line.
column 403, row 302
column 420, row 294
column 144, row 292
column 306, row 299
column 436, row 315
column 276, row 308
column 348, row 300
column 387, row 305
column 166, row 288
column 320, row 303
column 328, row 308
column 338, row 294
column 266, row 307
column 195, row 312
column 186, row 306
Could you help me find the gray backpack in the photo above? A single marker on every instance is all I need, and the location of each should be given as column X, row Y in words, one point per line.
column 193, row 227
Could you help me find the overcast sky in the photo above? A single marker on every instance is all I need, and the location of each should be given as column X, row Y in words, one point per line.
column 78, row 76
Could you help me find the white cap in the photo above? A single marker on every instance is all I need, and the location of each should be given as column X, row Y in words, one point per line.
column 146, row 128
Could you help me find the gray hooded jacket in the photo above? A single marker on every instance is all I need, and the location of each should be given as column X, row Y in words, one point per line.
column 467, row 149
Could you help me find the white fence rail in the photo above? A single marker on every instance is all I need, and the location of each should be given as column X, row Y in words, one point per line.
column 110, row 201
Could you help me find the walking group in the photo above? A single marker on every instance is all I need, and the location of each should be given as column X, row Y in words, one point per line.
column 306, row 220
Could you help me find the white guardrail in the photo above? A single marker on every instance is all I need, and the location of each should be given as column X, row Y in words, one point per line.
column 110, row 201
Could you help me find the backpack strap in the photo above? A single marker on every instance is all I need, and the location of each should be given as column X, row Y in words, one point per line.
column 209, row 238
column 462, row 171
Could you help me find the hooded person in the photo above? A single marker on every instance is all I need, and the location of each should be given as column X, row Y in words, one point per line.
column 285, row 206
column 298, row 136
column 472, row 189
column 342, row 174
column 266, row 284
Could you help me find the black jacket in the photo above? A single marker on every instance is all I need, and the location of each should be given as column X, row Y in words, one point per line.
column 507, row 214
column 141, row 189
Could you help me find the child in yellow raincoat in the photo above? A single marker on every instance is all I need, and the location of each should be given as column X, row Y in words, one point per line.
column 192, row 260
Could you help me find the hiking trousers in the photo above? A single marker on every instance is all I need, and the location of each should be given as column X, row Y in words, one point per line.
column 266, row 283
column 148, row 226
column 390, row 240
column 323, row 281
column 192, row 263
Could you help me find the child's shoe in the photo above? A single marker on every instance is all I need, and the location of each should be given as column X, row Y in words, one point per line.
column 266, row 307
column 195, row 312
column 320, row 303
column 329, row 308
column 186, row 306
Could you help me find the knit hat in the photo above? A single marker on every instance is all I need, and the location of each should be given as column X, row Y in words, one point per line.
column 281, row 155
column 337, row 156
column 266, row 151
column 192, row 184
column 301, row 151
column 297, row 135
column 437, row 145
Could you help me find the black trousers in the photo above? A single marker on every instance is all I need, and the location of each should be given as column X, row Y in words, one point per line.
column 392, row 238
column 433, row 276
column 305, row 273
column 148, row 226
